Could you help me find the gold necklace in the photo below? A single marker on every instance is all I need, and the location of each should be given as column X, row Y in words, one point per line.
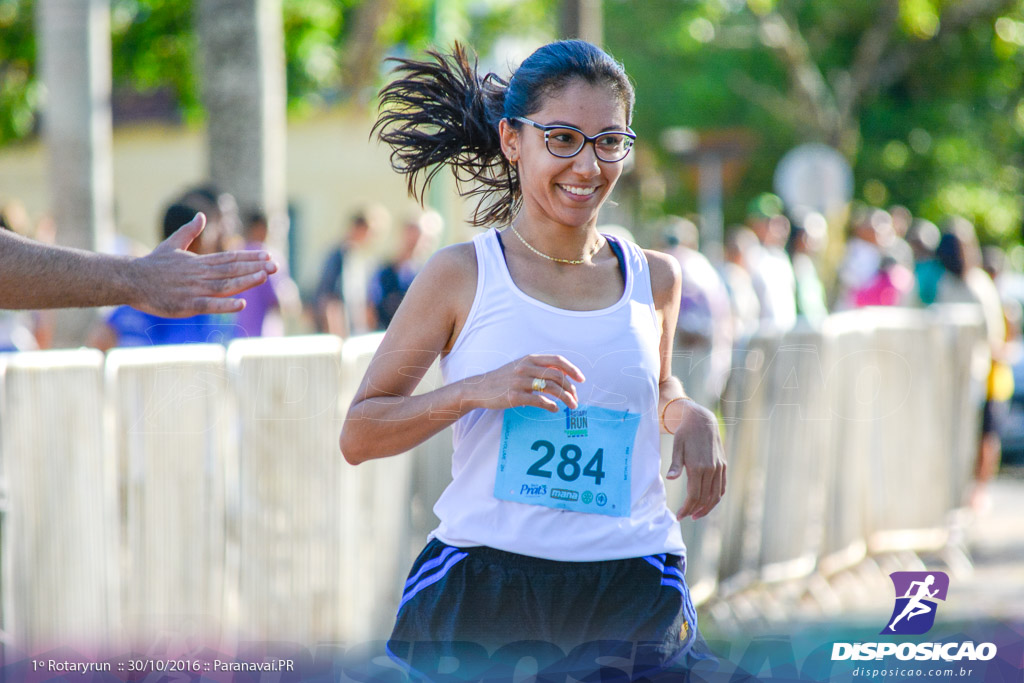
column 538, row 252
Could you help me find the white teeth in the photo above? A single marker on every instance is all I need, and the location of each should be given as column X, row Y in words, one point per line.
column 580, row 191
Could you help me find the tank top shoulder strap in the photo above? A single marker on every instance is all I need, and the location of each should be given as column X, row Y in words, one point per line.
column 637, row 268
column 488, row 257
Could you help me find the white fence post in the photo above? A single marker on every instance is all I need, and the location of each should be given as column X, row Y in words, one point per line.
column 60, row 538
column 745, row 411
column 703, row 537
column 794, row 463
column 844, row 544
column 171, row 434
column 288, row 508
column 382, row 512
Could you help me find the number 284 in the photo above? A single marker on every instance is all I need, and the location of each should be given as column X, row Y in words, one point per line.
column 568, row 468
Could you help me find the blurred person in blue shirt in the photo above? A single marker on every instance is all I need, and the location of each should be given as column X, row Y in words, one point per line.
column 390, row 283
column 923, row 237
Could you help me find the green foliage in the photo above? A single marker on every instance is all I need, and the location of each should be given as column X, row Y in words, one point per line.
column 19, row 91
column 944, row 134
column 418, row 24
column 153, row 46
column 313, row 46
column 490, row 20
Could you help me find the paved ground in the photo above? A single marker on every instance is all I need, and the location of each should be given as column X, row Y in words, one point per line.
column 995, row 589
column 788, row 633
column 985, row 585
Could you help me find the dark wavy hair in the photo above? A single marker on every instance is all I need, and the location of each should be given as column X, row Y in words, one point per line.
column 442, row 112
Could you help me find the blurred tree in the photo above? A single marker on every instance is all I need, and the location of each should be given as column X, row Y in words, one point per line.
column 243, row 76
column 581, row 19
column 924, row 97
column 333, row 48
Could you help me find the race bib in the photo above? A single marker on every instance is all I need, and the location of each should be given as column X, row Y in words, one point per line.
column 575, row 460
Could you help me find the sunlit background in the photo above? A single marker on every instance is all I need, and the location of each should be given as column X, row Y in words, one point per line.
column 199, row 490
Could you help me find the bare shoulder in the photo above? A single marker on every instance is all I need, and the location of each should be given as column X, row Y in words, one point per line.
column 450, row 271
column 456, row 260
column 666, row 275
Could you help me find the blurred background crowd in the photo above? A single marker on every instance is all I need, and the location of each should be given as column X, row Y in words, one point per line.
column 798, row 158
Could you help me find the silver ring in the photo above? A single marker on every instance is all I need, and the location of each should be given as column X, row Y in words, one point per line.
column 539, row 384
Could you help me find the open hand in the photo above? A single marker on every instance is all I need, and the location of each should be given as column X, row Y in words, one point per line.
column 173, row 282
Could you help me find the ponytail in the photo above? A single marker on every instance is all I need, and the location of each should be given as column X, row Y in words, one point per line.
column 441, row 112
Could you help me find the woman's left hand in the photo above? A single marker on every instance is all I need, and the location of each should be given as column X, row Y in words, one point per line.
column 697, row 446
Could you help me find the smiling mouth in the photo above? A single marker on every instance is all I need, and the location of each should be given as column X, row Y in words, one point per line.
column 578, row 190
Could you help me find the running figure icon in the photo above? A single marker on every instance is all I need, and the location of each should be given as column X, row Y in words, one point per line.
column 917, row 595
column 915, row 606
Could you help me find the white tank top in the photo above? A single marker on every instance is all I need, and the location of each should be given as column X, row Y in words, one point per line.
column 617, row 349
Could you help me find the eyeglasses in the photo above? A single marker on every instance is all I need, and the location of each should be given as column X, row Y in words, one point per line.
column 566, row 141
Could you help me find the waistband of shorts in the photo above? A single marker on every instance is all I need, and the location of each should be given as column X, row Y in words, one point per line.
column 540, row 565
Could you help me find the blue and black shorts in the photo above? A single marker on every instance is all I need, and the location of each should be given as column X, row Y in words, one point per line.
column 479, row 611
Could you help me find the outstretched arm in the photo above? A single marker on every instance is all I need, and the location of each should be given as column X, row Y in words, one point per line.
column 169, row 281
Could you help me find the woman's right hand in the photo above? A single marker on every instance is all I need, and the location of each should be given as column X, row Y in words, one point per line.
column 512, row 384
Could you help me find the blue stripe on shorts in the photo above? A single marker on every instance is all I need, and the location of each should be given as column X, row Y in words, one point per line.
column 433, row 578
column 430, row 564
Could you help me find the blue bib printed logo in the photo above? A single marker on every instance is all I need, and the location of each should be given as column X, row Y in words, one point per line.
column 916, row 593
column 577, row 460
column 575, row 422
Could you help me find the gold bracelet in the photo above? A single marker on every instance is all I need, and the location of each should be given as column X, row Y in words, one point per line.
column 665, row 410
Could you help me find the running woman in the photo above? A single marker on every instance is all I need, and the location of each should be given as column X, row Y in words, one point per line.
column 556, row 346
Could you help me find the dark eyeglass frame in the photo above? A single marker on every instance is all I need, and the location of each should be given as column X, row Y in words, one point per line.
column 586, row 138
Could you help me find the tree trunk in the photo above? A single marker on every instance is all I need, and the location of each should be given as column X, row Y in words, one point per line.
column 74, row 59
column 242, row 67
column 582, row 19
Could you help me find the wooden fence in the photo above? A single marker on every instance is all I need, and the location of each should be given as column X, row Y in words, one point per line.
column 199, row 491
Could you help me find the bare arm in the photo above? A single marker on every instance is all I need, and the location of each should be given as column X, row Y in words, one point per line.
column 697, row 445
column 169, row 281
column 386, row 419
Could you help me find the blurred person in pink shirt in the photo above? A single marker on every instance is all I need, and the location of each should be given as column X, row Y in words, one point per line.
column 892, row 285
